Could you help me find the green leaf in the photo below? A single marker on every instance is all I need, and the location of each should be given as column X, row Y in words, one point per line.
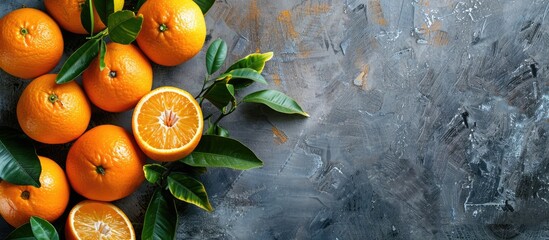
column 43, row 230
column 216, row 129
column 104, row 8
column 188, row 189
column 78, row 61
column 204, row 5
column 102, row 52
column 276, row 100
column 153, row 172
column 139, row 4
column 242, row 77
column 124, row 26
column 24, row 232
column 86, row 16
column 160, row 218
column 255, row 61
column 217, row 151
column 215, row 56
column 220, row 94
column 19, row 163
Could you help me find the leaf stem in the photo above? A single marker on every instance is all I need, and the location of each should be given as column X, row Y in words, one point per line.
column 91, row 17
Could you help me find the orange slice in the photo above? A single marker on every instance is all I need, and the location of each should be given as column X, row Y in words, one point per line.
column 98, row 220
column 167, row 124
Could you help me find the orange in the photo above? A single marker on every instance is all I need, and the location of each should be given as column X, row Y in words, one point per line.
column 67, row 14
column 97, row 220
column 167, row 124
column 105, row 164
column 19, row 203
column 31, row 43
column 126, row 78
column 173, row 31
column 53, row 113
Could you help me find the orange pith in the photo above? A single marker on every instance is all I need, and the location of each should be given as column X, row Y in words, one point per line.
column 98, row 220
column 167, row 124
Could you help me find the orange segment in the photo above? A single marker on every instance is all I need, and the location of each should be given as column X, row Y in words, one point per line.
column 98, row 220
column 167, row 124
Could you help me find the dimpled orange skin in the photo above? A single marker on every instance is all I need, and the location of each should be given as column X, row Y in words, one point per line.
column 48, row 202
column 53, row 113
column 184, row 32
column 67, row 14
column 126, row 78
column 105, row 164
column 31, row 43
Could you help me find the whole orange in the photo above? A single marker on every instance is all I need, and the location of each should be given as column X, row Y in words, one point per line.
column 31, row 43
column 53, row 113
column 173, row 31
column 67, row 14
column 105, row 164
column 19, row 203
column 127, row 76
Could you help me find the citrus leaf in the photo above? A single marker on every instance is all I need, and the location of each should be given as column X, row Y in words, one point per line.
column 42, row 229
column 160, row 218
column 24, row 232
column 255, row 61
column 275, row 100
column 153, row 172
column 124, row 26
column 86, row 16
column 188, row 189
column 216, row 129
column 220, row 94
column 19, row 163
column 242, row 77
column 215, row 56
column 217, row 151
column 102, row 52
column 104, row 8
column 204, row 5
column 78, row 61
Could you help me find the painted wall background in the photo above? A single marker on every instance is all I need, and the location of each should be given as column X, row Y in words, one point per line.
column 429, row 120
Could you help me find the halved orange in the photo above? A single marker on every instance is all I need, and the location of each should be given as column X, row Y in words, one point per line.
column 167, row 124
column 98, row 220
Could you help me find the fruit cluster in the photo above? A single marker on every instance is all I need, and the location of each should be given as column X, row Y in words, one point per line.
column 104, row 163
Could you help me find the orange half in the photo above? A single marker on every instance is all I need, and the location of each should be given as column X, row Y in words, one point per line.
column 98, row 220
column 167, row 124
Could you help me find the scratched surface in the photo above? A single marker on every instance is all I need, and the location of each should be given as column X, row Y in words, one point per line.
column 429, row 120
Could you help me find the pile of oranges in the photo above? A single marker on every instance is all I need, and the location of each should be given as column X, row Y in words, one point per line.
column 104, row 163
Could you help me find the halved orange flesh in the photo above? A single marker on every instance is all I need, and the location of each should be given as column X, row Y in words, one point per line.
column 98, row 220
column 167, row 124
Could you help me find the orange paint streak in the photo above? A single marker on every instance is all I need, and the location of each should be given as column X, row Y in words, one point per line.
column 377, row 11
column 285, row 18
column 254, row 19
column 280, row 136
column 436, row 36
column 440, row 38
column 314, row 9
column 276, row 79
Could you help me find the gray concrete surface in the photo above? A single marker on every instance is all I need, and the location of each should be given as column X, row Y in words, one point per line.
column 429, row 120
